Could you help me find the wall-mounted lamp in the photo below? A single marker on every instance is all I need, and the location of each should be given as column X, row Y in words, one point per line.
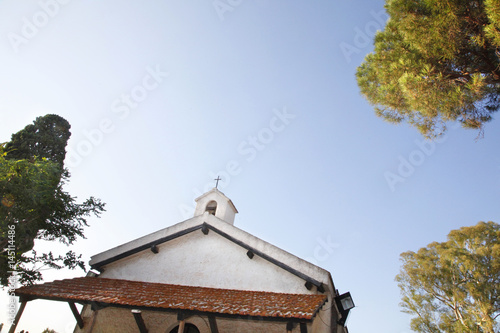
column 344, row 304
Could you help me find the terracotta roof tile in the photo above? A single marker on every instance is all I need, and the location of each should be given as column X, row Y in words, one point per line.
column 176, row 297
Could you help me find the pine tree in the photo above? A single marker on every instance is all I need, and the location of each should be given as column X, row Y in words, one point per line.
column 436, row 61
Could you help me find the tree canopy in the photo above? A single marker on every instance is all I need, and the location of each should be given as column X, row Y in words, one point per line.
column 436, row 61
column 454, row 286
column 34, row 204
column 46, row 138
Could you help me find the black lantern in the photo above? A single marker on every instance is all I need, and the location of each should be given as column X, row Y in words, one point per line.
column 344, row 304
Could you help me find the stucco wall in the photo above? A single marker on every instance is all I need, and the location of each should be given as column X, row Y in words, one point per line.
column 210, row 261
column 269, row 249
column 205, row 260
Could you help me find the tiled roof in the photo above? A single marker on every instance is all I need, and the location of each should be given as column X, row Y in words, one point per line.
column 175, row 297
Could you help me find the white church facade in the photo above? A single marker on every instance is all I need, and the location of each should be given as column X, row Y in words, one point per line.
column 202, row 275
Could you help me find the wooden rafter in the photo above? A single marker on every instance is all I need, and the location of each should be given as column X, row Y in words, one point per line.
column 78, row 318
column 18, row 316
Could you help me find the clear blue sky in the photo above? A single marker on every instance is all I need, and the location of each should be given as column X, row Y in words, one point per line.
column 163, row 96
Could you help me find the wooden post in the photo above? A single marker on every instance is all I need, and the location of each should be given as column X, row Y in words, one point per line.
column 213, row 324
column 289, row 327
column 78, row 318
column 182, row 323
column 140, row 322
column 181, row 317
column 303, row 328
column 18, row 316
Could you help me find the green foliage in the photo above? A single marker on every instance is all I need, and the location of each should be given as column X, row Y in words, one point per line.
column 436, row 61
column 46, row 138
column 33, row 203
column 454, row 286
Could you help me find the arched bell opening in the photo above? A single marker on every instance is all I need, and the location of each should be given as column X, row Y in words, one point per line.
column 211, row 207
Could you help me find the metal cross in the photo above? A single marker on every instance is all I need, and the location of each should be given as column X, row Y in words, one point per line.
column 217, row 183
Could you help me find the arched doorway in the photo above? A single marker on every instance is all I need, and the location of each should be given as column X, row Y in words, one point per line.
column 188, row 328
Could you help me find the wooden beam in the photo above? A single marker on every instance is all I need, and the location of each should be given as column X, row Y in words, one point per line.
column 289, row 327
column 96, row 306
column 18, row 316
column 139, row 321
column 146, row 246
column 213, row 324
column 250, row 254
column 205, row 228
column 303, row 328
column 78, row 318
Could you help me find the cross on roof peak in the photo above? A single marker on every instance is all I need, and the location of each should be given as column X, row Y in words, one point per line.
column 217, row 181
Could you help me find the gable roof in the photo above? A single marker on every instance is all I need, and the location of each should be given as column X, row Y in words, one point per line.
column 168, row 297
column 311, row 274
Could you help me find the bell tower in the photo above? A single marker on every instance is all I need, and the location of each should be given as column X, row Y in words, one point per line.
column 214, row 202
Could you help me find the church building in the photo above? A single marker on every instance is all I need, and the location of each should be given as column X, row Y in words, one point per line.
column 202, row 275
